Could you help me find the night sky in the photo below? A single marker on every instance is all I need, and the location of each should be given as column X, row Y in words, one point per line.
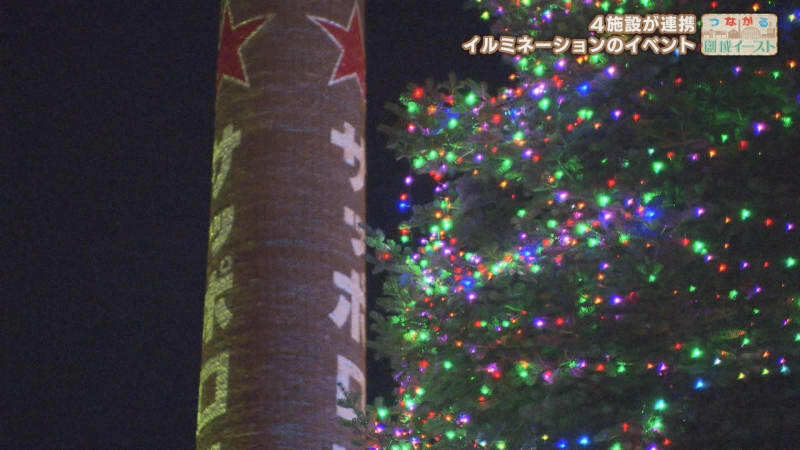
column 108, row 139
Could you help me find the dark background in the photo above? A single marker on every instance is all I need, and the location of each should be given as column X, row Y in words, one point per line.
column 107, row 133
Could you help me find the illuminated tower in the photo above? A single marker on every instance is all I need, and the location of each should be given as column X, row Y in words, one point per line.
column 285, row 298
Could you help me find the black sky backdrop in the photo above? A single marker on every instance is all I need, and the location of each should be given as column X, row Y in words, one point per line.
column 108, row 132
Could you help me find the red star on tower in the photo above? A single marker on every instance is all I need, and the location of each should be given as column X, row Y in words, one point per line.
column 229, row 60
column 351, row 63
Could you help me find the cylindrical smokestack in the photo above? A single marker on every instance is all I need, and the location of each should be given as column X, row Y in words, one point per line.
column 285, row 299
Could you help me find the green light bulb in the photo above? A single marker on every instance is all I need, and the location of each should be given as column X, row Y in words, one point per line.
column 471, row 98
column 544, row 104
column 585, row 113
column 745, row 214
column 658, row 166
column 655, row 423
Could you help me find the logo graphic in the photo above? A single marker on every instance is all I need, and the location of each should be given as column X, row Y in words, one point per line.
column 739, row 34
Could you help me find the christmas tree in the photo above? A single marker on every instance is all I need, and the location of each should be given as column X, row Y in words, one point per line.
column 610, row 258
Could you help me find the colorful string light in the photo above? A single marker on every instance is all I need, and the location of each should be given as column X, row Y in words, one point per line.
column 593, row 238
